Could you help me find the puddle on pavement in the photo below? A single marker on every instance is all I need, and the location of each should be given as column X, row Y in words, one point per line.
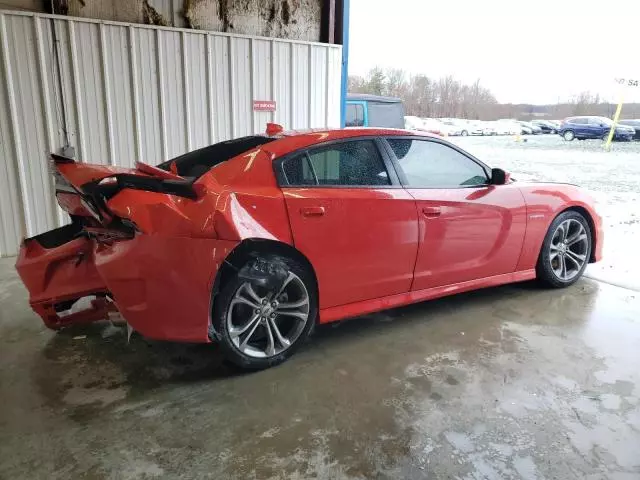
column 512, row 381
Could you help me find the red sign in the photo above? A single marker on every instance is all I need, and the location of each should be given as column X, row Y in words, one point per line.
column 264, row 106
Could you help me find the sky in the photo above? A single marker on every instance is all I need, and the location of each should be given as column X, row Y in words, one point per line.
column 536, row 51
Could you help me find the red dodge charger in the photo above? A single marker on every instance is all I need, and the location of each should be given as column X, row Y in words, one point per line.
column 249, row 243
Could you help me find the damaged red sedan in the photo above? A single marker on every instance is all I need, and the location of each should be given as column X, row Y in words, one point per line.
column 251, row 242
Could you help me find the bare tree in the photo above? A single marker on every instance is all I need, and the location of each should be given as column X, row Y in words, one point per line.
column 448, row 97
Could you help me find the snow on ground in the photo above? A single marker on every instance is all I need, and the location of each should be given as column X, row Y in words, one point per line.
column 613, row 178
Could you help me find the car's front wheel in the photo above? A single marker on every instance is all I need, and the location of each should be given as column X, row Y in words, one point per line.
column 568, row 135
column 565, row 250
column 464, row 133
column 265, row 312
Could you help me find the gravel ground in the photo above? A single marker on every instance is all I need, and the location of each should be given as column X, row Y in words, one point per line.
column 613, row 178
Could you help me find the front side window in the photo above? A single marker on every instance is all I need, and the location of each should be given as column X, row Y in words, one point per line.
column 435, row 165
column 579, row 121
column 353, row 163
column 354, row 116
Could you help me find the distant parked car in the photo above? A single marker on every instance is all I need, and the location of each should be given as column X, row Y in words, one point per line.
column 431, row 125
column 365, row 110
column 593, row 127
column 530, row 128
column 413, row 123
column 524, row 130
column 504, row 127
column 452, row 128
column 488, row 129
column 545, row 126
column 635, row 124
column 470, row 127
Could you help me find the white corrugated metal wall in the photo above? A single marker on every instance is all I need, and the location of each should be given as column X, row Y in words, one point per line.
column 131, row 92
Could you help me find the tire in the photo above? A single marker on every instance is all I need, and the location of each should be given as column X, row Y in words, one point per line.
column 568, row 135
column 246, row 331
column 565, row 251
column 464, row 133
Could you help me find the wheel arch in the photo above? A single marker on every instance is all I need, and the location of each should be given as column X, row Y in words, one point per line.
column 592, row 227
column 250, row 247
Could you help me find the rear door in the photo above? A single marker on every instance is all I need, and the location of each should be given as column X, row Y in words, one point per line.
column 468, row 229
column 581, row 127
column 597, row 128
column 352, row 219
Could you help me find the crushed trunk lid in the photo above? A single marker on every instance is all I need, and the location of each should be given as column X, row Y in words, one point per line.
column 82, row 189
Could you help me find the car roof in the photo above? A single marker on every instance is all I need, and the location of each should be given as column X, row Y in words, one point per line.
column 293, row 140
column 365, row 97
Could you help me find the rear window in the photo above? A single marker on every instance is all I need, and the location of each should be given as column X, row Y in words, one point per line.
column 386, row 115
column 198, row 162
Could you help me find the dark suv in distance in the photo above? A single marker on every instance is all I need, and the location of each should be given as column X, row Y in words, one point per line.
column 635, row 124
column 545, row 126
column 593, row 127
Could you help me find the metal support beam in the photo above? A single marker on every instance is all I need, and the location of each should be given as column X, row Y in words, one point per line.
column 342, row 29
column 328, row 32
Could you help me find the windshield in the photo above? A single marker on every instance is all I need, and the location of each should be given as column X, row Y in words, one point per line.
column 198, row 162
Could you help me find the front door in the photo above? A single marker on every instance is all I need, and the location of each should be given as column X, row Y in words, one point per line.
column 353, row 221
column 468, row 229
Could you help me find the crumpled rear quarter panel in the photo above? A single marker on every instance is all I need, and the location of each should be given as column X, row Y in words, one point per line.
column 162, row 285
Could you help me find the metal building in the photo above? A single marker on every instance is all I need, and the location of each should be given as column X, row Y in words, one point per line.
column 116, row 93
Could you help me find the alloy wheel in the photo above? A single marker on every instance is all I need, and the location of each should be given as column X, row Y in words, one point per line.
column 568, row 249
column 263, row 323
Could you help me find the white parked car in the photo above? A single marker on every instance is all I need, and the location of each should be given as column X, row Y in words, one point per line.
column 488, row 129
column 469, row 127
column 451, row 128
column 504, row 127
column 433, row 125
column 413, row 123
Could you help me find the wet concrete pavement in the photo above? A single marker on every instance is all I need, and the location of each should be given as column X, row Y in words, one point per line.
column 510, row 382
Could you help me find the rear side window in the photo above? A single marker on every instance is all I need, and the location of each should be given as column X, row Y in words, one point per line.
column 354, row 115
column 355, row 163
column 297, row 171
column 429, row 164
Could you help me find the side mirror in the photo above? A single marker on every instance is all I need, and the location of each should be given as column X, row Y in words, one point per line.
column 499, row 176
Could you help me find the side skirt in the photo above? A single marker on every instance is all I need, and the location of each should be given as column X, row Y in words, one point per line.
column 340, row 312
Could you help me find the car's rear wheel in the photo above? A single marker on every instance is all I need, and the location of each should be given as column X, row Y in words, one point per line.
column 565, row 251
column 568, row 135
column 265, row 312
column 464, row 133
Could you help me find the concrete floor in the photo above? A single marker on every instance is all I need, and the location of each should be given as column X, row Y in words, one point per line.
column 511, row 382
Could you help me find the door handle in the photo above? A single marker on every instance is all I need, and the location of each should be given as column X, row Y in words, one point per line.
column 431, row 211
column 312, row 211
